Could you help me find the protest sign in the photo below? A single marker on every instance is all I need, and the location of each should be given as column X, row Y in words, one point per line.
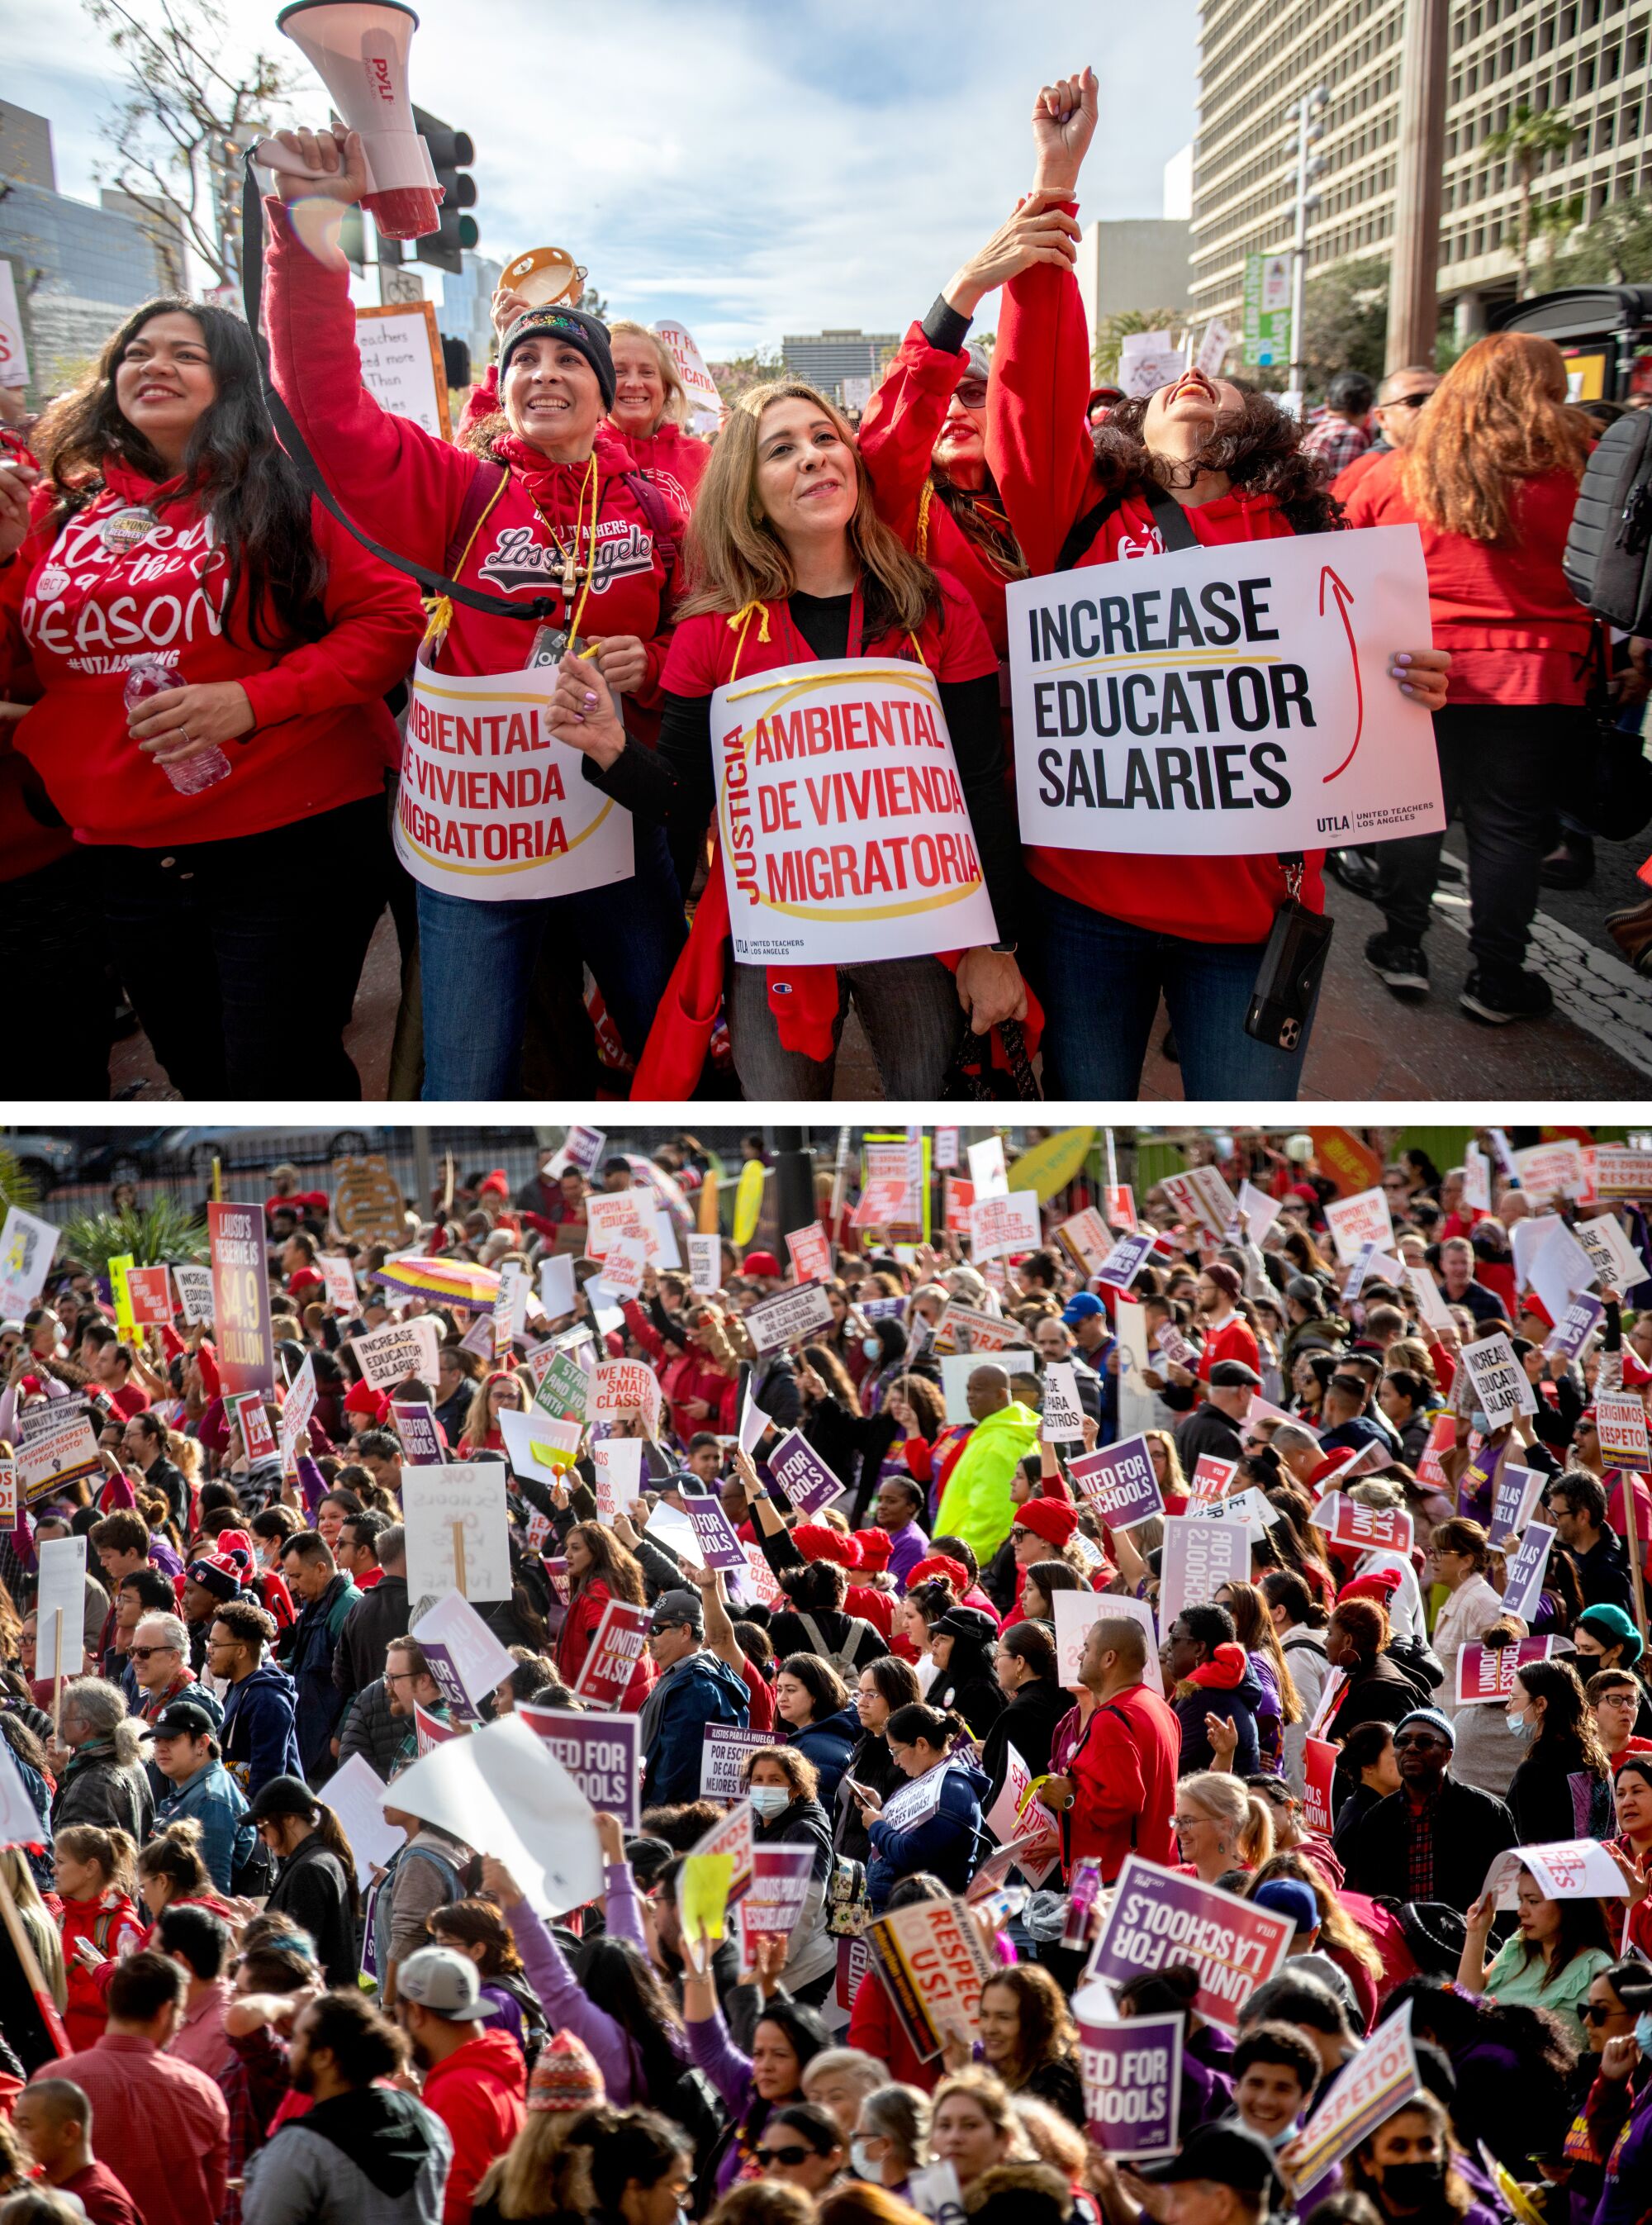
column 1157, row 1917
column 41, row 1416
column 802, row 1474
column 959, row 1205
column 60, row 1607
column 1200, row 1554
column 780, row 1320
column 731, row 1839
column 1620, row 1418
column 698, row 384
column 563, row 1388
column 401, row 363
column 510, row 1306
column 354, row 1794
column 1346, row 1522
column 1477, row 1179
column 625, row 1264
column 1132, row 2084
column 810, row 1253
column 1431, row 1306
column 1564, row 1869
column 194, row 1292
column 618, row 1463
column 617, row 1388
column 1621, row 1172
column 1526, row 1572
column 1573, row 1329
column 149, row 1294
column 706, row 1264
column 1211, row 1477
column 945, row 1150
column 933, row 1965
column 62, row 1453
column 583, row 1147
column 989, row 1176
column 1502, row 1391
column 1368, row 2090
column 1514, row 1500
column 962, row 1328
column 1354, row 1281
column 298, row 1406
column 339, row 1278
column 457, row 1534
column 367, row 1202
column 416, row 1426
column 1552, row 1169
column 1287, row 739
column 1176, row 1349
column 8, row 1493
column 605, row 1674
column 430, row 1730
column 610, row 1215
column 1363, row 1219
column 1248, row 1507
column 1118, row 1206
column 504, row 1792
column 27, row 1248
column 1260, row 1211
column 1486, row 1674
column 879, row 1203
column 390, row 1355
column 1203, row 1202
column 556, row 1287
column 1087, row 1238
column 999, row 1226
column 19, row 1825
column 246, row 1352
column 1062, row 1420
column 1126, row 1260
column 1442, row 1439
column 602, row 1753
column 1016, row 1820
column 1549, row 1260
column 845, row 833
column 1319, row 1767
column 726, row 1748
column 957, row 1367
column 780, row 1891
column 253, row 1421
column 1129, row 1324
column 1076, row 1614
column 1120, row 1482
column 491, row 805
column 536, row 1442
column 466, row 1659
column 716, row 1544
column 1616, row 1262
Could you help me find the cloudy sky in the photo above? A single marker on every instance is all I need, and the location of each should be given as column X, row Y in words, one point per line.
column 751, row 170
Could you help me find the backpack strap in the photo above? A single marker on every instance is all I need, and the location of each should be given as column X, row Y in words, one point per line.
column 479, row 496
column 662, row 520
column 1167, row 515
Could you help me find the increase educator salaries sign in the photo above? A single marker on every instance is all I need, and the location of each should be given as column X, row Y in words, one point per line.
column 844, row 832
column 1225, row 701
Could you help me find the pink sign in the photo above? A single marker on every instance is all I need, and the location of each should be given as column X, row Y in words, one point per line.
column 606, row 1676
column 1157, row 1919
column 810, row 1253
column 1320, row 1758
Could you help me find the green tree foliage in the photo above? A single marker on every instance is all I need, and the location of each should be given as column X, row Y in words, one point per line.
column 1615, row 248
column 162, row 1231
column 1111, row 332
column 742, row 373
column 1527, row 139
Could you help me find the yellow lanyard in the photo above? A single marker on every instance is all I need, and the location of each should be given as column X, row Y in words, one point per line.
column 571, row 558
column 439, row 609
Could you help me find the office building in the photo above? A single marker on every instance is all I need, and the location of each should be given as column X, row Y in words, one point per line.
column 1140, row 262
column 1584, row 59
column 463, row 315
column 825, row 360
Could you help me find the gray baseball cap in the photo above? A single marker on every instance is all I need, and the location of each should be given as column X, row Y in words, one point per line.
column 439, row 1980
column 673, row 1606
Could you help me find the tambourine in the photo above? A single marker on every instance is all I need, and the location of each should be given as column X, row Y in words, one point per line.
column 545, row 275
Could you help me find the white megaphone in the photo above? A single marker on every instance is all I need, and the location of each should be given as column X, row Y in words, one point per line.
column 360, row 50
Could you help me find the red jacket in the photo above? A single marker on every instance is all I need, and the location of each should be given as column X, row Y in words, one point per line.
column 407, row 489
column 579, row 1631
column 1517, row 632
column 478, row 2093
column 26, row 845
column 80, row 611
column 1124, row 1770
column 675, row 460
column 115, row 1928
column 1040, row 454
column 897, row 440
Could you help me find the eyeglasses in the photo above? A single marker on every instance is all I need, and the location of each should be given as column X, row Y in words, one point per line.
column 1407, row 401
column 972, row 393
column 148, row 1652
column 400, row 1675
column 788, row 2156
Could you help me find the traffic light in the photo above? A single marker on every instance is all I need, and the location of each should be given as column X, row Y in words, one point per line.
column 456, row 362
column 451, row 152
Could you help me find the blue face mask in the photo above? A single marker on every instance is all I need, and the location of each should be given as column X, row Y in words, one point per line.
column 1643, row 2034
column 1480, row 1424
column 870, row 1346
column 1523, row 1727
column 769, row 1799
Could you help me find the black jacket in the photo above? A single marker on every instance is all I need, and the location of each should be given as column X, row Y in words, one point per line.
column 314, row 1890
column 1207, row 1429
column 870, row 1763
column 1471, row 1831
column 377, row 1617
column 1552, row 1797
column 853, row 1446
column 1384, row 1693
column 1029, row 1725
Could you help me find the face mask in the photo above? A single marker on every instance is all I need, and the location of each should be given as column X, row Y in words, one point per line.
column 863, row 2163
column 870, row 1346
column 1643, row 2035
column 1412, row 2184
column 1478, row 1423
column 771, row 1799
column 1523, row 1727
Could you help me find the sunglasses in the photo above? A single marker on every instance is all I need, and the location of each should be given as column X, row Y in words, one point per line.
column 788, row 2156
column 1592, row 2012
column 148, row 1652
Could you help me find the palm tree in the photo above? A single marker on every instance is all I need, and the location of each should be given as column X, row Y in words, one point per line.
column 160, row 1231
column 1554, row 224
column 1527, row 138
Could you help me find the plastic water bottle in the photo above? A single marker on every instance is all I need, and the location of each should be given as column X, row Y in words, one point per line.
column 154, row 675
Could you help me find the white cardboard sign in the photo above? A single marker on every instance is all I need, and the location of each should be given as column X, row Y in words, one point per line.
column 471, row 1494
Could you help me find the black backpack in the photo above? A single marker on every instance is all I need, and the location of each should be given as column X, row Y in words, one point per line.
column 1607, row 560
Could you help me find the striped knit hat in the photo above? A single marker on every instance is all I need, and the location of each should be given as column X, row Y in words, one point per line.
column 565, row 2076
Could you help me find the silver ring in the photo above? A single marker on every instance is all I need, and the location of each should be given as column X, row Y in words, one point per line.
column 183, row 734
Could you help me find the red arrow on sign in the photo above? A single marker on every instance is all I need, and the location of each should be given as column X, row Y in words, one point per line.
column 1344, row 594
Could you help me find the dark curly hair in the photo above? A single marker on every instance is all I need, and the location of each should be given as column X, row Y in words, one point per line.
column 1257, row 445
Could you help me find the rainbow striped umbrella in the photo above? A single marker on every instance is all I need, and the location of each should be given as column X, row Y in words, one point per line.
column 454, row 1280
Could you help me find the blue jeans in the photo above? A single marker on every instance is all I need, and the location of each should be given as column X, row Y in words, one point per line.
column 1101, row 980
column 477, row 962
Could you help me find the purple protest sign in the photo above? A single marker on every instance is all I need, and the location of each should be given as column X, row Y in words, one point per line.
column 601, row 1753
column 1157, row 1917
column 1576, row 1325
column 780, row 1888
column 802, row 1474
column 1525, row 1585
column 718, row 1546
column 1518, row 1490
column 1200, row 1554
column 1477, row 1486
column 1126, row 1260
column 416, row 1425
column 1132, row 2085
column 1121, row 1482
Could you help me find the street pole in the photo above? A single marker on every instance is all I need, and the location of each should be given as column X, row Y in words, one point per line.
column 1306, row 111
column 1413, row 283
column 793, row 1179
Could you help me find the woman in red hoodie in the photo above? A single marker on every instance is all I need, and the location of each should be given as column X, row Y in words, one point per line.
column 792, row 566
column 599, row 1569
column 543, row 500
column 182, row 547
column 101, row 1921
column 1491, row 478
column 1117, row 929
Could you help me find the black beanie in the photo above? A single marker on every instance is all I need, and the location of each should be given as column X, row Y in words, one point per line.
column 588, row 334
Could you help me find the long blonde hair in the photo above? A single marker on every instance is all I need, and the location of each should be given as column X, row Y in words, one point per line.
column 1499, row 414
column 736, row 558
column 36, row 1919
column 676, row 411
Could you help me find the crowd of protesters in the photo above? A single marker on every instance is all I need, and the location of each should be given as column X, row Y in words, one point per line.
column 222, row 2015
column 168, row 551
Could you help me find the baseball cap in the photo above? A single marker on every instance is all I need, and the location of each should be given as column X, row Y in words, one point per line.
column 671, row 1607
column 1084, row 1305
column 1227, row 2155
column 437, row 1979
column 182, row 1719
column 1288, row 1896
column 282, row 1796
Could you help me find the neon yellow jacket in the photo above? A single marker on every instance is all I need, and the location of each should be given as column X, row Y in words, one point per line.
column 976, row 1504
